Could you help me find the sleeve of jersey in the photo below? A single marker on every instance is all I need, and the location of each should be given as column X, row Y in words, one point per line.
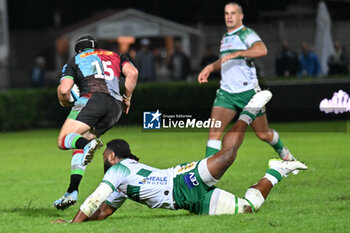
column 115, row 175
column 68, row 71
column 123, row 60
column 116, row 199
column 251, row 38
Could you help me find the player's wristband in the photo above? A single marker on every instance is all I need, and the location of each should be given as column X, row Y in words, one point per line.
column 127, row 98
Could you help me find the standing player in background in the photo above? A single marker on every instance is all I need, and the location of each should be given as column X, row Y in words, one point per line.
column 239, row 46
column 96, row 72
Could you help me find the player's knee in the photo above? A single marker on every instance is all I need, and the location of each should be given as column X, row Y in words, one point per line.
column 60, row 143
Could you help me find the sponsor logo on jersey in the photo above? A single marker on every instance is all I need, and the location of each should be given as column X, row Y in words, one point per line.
column 185, row 168
column 191, row 180
column 107, row 53
column 151, row 120
column 155, row 180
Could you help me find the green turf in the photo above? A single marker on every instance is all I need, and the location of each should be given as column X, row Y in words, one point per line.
column 34, row 173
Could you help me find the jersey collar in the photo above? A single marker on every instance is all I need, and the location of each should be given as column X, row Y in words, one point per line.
column 234, row 31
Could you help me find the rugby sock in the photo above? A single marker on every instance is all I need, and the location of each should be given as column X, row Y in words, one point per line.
column 77, row 170
column 278, row 145
column 81, row 142
column 74, row 141
column 273, row 176
column 213, row 146
column 74, row 183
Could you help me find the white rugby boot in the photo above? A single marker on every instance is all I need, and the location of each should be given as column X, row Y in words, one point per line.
column 285, row 167
column 90, row 149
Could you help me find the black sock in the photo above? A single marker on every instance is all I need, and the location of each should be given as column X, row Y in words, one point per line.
column 81, row 143
column 74, row 182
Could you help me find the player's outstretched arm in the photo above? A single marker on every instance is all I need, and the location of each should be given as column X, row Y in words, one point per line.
column 103, row 212
column 63, row 91
column 257, row 50
column 204, row 74
column 131, row 75
column 93, row 203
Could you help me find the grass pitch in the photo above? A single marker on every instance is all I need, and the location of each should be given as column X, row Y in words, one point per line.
column 34, row 173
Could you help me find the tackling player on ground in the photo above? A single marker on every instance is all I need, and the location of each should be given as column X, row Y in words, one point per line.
column 186, row 186
column 96, row 72
column 239, row 46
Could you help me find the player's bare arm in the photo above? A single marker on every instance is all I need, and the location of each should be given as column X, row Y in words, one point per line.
column 257, row 50
column 103, row 212
column 90, row 209
column 204, row 74
column 63, row 91
column 131, row 75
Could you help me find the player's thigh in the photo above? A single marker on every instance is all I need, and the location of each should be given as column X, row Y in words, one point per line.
column 192, row 182
column 225, row 115
column 113, row 115
column 83, row 116
column 261, row 128
column 72, row 126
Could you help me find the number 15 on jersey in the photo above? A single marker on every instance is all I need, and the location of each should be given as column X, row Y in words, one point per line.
column 107, row 72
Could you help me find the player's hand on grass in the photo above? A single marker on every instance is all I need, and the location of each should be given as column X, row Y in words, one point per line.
column 204, row 75
column 230, row 56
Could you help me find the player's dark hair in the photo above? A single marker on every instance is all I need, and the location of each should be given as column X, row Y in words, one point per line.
column 85, row 42
column 121, row 149
column 237, row 4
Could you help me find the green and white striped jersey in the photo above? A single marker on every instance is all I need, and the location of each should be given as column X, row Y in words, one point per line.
column 239, row 74
column 141, row 183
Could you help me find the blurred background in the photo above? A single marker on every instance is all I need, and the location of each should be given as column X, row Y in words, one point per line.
column 171, row 41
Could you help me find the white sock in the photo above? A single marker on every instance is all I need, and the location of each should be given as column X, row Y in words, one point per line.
column 216, row 144
column 271, row 178
column 275, row 138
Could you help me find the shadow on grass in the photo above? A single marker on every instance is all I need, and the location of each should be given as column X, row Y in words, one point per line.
column 34, row 212
column 157, row 216
column 51, row 212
